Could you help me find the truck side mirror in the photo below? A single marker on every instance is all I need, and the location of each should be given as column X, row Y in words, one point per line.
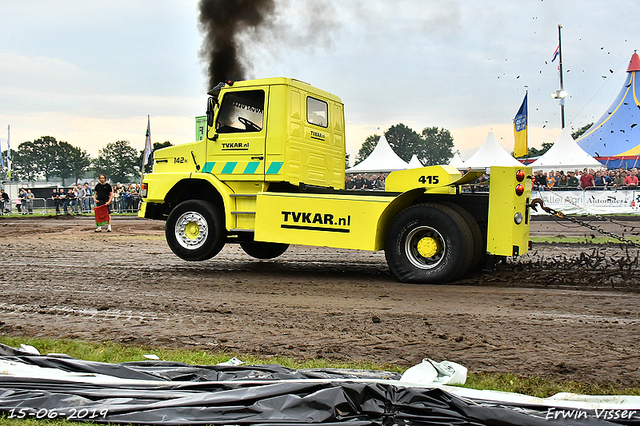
column 211, row 105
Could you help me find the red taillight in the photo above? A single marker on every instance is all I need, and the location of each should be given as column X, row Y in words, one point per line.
column 520, row 175
column 519, row 189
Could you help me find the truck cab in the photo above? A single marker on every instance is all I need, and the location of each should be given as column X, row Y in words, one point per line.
column 275, row 130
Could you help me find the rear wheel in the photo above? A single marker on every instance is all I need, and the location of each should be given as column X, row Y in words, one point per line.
column 195, row 230
column 261, row 250
column 479, row 245
column 429, row 243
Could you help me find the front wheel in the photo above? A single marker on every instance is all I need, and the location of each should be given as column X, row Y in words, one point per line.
column 429, row 243
column 261, row 250
column 195, row 230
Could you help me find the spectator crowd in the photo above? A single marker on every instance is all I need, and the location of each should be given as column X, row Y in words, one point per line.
column 586, row 179
column 365, row 181
column 573, row 179
column 77, row 199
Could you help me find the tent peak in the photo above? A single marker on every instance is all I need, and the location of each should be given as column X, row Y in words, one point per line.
column 491, row 153
column 634, row 64
column 381, row 160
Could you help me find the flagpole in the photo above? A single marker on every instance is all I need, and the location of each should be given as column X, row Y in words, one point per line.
column 526, row 96
column 1, row 157
column 147, row 150
column 9, row 152
column 561, row 74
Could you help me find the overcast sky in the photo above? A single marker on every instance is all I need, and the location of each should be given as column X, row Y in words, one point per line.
column 89, row 73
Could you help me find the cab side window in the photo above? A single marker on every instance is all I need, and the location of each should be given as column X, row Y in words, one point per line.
column 241, row 112
column 317, row 112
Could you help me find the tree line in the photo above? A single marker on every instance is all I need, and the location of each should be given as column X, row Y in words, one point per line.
column 46, row 158
column 432, row 146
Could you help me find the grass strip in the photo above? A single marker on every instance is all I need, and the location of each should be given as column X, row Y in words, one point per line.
column 111, row 352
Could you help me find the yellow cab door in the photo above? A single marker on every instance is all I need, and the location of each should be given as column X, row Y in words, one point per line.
column 236, row 152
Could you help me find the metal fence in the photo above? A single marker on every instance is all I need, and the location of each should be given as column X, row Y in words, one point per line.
column 484, row 187
column 45, row 206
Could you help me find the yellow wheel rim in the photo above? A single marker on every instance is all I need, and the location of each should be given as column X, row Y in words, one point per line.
column 191, row 230
column 428, row 247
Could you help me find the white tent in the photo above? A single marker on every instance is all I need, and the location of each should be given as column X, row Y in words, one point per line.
column 414, row 163
column 566, row 154
column 457, row 162
column 382, row 159
column 491, row 153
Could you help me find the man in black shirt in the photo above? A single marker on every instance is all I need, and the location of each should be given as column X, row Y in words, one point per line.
column 56, row 199
column 103, row 195
column 6, row 204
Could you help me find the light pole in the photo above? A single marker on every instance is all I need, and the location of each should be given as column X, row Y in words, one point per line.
column 560, row 94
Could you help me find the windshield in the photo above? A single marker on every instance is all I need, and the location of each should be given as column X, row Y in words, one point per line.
column 241, row 112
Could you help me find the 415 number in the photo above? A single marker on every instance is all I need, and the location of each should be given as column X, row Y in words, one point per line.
column 431, row 180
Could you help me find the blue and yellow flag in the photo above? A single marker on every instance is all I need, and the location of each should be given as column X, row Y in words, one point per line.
column 520, row 130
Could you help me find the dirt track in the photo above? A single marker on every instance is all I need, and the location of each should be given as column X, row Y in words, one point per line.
column 556, row 312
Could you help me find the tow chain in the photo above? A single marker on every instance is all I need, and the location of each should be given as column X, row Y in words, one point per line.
column 559, row 214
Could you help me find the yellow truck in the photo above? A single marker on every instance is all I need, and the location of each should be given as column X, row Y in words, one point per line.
column 270, row 172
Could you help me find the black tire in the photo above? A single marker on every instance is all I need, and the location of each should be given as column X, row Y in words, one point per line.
column 261, row 250
column 479, row 244
column 195, row 230
column 429, row 244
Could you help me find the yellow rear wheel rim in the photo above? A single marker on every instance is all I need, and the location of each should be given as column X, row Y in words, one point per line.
column 424, row 247
column 428, row 247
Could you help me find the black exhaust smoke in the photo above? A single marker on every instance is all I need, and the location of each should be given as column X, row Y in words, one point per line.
column 222, row 21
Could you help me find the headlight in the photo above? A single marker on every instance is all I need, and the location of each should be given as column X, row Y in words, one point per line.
column 518, row 218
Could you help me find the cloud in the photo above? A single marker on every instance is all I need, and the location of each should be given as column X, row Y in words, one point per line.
column 41, row 75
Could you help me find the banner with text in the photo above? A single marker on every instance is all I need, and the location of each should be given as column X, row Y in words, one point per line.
column 622, row 201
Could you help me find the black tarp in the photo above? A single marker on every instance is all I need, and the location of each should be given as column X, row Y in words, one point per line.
column 170, row 393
